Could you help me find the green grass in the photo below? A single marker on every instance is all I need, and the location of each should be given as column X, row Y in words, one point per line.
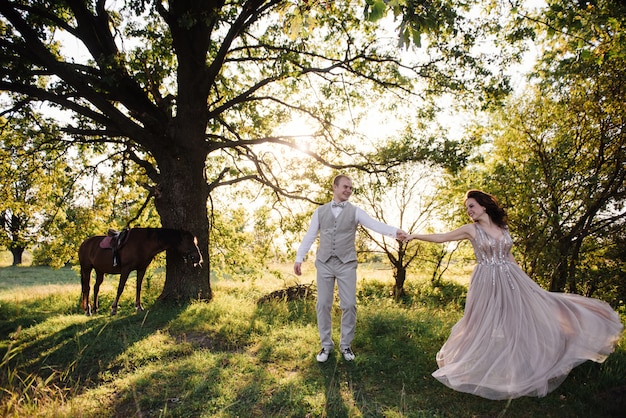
column 233, row 357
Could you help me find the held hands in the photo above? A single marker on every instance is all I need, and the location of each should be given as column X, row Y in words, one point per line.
column 401, row 235
column 404, row 236
column 409, row 237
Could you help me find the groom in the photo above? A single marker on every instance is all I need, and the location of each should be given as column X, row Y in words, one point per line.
column 336, row 223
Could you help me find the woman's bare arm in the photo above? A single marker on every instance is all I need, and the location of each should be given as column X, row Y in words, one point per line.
column 465, row 232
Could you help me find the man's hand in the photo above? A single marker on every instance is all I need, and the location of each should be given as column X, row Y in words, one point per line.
column 297, row 268
column 401, row 235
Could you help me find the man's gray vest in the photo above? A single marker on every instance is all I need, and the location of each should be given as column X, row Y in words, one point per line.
column 337, row 235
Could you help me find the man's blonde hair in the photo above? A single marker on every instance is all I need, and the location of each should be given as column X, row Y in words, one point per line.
column 338, row 178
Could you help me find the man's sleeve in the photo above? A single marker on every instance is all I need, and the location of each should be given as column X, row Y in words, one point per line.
column 368, row 222
column 309, row 238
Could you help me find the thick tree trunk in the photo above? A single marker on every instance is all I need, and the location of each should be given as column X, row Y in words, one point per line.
column 17, row 252
column 182, row 204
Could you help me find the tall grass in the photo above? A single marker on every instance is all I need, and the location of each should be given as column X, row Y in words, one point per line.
column 236, row 357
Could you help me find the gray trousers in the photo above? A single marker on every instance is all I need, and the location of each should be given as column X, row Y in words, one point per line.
column 345, row 275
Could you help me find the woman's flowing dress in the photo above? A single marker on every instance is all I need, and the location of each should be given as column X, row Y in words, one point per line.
column 515, row 338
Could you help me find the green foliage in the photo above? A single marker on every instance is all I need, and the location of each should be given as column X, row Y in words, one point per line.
column 37, row 180
column 592, row 31
column 602, row 270
column 554, row 167
column 58, row 243
column 403, row 197
column 418, row 17
column 114, row 201
column 443, row 295
column 554, row 155
column 45, row 206
column 243, row 243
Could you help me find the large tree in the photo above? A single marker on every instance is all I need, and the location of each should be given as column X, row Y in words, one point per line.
column 192, row 91
column 559, row 159
column 559, row 166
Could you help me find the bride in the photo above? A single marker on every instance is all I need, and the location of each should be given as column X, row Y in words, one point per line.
column 515, row 338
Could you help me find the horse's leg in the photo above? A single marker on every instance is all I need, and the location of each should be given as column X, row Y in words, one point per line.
column 140, row 274
column 85, row 278
column 120, row 289
column 96, row 290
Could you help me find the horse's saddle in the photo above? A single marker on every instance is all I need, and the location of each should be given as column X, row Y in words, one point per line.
column 115, row 239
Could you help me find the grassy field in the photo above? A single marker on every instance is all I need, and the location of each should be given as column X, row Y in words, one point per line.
column 234, row 357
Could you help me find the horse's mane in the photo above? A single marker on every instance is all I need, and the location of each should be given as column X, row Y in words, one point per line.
column 167, row 235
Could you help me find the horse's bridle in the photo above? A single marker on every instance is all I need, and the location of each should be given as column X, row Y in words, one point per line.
column 188, row 256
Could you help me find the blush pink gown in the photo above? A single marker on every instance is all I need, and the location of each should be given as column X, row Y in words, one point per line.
column 515, row 338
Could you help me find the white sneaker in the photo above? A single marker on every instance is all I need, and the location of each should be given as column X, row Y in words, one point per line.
column 322, row 356
column 348, row 354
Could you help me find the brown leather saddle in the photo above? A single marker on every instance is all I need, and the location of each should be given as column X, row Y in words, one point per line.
column 115, row 239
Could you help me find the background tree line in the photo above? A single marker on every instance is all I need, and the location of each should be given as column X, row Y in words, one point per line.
column 183, row 105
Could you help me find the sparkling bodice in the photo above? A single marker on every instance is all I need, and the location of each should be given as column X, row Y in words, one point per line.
column 489, row 250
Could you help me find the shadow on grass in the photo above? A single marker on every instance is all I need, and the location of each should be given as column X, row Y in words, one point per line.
column 227, row 361
column 396, row 350
column 73, row 351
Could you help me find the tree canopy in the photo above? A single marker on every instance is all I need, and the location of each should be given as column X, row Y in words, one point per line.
column 192, row 91
column 556, row 153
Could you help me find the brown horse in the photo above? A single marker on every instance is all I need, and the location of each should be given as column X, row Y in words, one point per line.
column 136, row 253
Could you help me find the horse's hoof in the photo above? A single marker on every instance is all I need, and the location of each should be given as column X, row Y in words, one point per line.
column 113, row 312
column 140, row 309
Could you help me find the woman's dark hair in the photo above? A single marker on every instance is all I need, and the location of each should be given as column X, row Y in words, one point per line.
column 491, row 205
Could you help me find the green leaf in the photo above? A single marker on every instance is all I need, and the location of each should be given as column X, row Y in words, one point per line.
column 417, row 37
column 375, row 11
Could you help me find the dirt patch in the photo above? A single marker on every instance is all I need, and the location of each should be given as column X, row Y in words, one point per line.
column 296, row 292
